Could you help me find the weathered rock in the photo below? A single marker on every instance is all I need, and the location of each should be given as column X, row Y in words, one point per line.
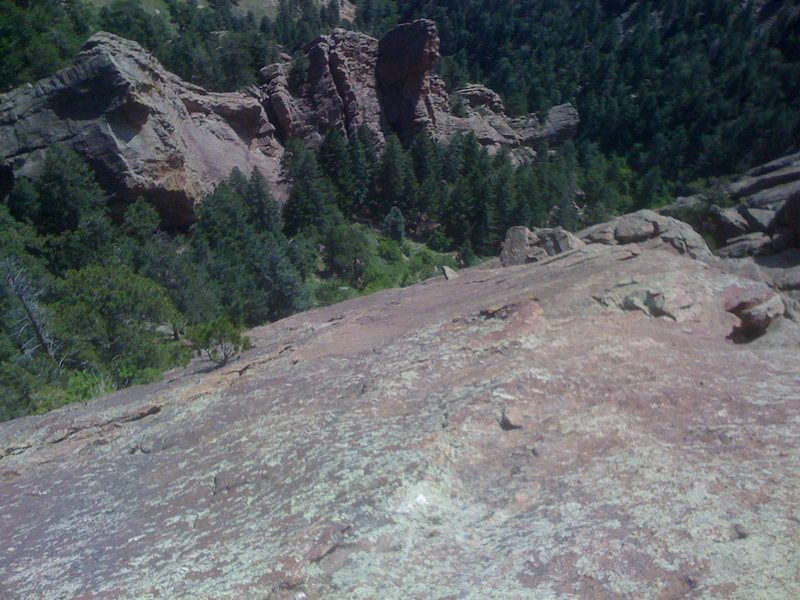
column 759, row 219
column 449, row 273
column 774, row 198
column 783, row 239
column 477, row 96
column 787, row 279
column 750, row 185
column 148, row 133
column 729, row 223
column 145, row 131
column 775, row 165
column 391, row 86
column 359, row 451
column 757, row 308
column 405, row 80
column 751, row 244
column 650, row 230
column 789, row 215
column 523, row 245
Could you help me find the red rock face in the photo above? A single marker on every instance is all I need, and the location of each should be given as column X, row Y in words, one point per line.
column 391, row 86
column 578, row 427
column 148, row 133
column 407, row 56
column 145, row 131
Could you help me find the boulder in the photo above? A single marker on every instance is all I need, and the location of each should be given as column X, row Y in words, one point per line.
column 523, row 245
column 728, row 223
column 145, row 131
column 757, row 307
column 759, row 219
column 787, row 279
column 650, row 230
column 449, row 273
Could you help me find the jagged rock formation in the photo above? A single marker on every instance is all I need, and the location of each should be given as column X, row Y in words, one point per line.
column 584, row 426
column 144, row 130
column 391, row 86
column 148, row 133
column 338, row 90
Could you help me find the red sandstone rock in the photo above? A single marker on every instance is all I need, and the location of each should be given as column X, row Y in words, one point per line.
column 145, row 131
column 362, row 452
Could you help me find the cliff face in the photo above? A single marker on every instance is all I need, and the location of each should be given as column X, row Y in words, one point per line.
column 144, row 130
column 391, row 86
column 148, row 133
column 584, row 426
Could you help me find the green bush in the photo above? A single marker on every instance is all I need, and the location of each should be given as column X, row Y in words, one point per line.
column 218, row 340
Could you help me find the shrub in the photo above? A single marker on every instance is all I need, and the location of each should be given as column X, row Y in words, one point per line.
column 218, row 340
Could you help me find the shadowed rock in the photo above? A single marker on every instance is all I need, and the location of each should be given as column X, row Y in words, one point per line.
column 360, row 451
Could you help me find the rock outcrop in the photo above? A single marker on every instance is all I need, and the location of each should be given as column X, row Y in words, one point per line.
column 760, row 236
column 581, row 427
column 767, row 218
column 148, row 133
column 649, row 230
column 523, row 245
column 390, row 85
column 145, row 131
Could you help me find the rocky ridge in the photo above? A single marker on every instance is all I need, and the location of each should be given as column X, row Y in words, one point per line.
column 148, row 133
column 390, row 85
column 613, row 420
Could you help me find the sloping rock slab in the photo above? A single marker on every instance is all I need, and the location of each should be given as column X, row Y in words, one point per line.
column 502, row 435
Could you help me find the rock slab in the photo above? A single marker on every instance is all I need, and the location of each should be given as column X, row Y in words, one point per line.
column 545, row 430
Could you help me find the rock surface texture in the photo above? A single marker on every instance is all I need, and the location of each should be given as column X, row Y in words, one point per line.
column 767, row 218
column 145, row 131
column 581, row 427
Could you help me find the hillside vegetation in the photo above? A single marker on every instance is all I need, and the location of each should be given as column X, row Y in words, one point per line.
column 670, row 97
